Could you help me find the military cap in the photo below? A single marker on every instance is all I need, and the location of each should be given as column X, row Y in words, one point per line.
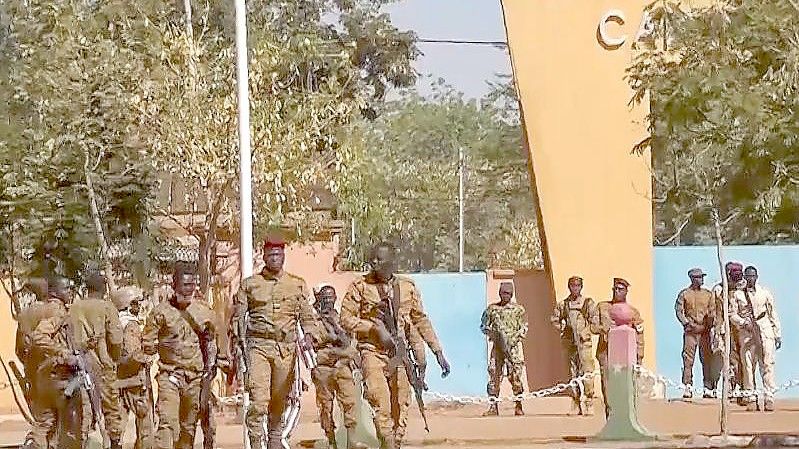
column 124, row 296
column 274, row 241
column 620, row 281
column 694, row 272
column 575, row 279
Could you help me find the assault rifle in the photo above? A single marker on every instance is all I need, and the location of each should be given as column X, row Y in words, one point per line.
column 83, row 380
column 242, row 373
column 402, row 355
column 502, row 343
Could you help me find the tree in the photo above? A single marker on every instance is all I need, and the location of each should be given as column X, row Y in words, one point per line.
column 71, row 176
column 405, row 187
column 722, row 83
column 309, row 83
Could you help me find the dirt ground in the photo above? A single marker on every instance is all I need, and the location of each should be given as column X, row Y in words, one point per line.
column 546, row 424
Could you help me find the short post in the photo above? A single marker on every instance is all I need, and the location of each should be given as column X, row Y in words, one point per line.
column 622, row 424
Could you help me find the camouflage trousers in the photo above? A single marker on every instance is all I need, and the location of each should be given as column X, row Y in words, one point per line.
column 269, row 384
column 499, row 366
column 389, row 394
column 61, row 422
column 581, row 361
column 112, row 407
column 137, row 401
column 178, row 409
column 335, row 382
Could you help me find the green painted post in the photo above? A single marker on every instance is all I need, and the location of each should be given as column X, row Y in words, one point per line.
column 622, row 423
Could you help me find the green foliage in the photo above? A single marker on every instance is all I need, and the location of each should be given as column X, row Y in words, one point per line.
column 722, row 84
column 66, row 99
column 404, row 187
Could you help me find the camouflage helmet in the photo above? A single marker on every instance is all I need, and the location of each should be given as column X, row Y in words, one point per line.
column 124, row 296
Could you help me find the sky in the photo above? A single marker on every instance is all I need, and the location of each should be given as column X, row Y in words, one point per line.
column 465, row 67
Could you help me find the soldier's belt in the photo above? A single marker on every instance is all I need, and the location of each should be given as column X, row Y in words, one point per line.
column 268, row 335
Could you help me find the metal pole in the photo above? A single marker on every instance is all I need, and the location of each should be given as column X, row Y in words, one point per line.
column 245, row 156
column 245, row 167
column 461, row 163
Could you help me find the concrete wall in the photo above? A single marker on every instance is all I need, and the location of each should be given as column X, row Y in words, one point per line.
column 593, row 193
column 777, row 266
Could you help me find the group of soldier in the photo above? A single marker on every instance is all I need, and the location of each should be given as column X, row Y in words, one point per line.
column 577, row 318
column 755, row 334
column 88, row 361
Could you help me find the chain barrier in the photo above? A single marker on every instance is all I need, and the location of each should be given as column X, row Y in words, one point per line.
column 577, row 383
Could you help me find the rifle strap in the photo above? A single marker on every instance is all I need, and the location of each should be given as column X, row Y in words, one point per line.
column 192, row 323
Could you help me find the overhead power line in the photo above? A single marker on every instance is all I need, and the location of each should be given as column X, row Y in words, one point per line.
column 502, row 44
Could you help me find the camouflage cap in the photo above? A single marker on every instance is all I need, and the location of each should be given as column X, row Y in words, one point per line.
column 576, row 279
column 124, row 296
column 318, row 288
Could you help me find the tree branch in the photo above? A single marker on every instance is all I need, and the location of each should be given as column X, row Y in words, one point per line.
column 676, row 234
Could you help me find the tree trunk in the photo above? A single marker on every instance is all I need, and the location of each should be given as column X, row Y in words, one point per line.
column 98, row 226
column 725, row 370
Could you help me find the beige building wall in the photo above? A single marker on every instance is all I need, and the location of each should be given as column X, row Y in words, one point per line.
column 593, row 193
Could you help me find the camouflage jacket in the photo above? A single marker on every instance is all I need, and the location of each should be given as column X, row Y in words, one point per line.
column 360, row 311
column 573, row 317
column 509, row 320
column 171, row 335
column 97, row 330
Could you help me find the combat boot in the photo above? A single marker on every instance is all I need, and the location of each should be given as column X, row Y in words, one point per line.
column 493, row 410
column 388, row 443
column 588, row 408
column 116, row 444
column 519, row 410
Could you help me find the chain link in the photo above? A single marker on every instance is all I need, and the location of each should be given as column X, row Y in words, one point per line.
column 577, row 383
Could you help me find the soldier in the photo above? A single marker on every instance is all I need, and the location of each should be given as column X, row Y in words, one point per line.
column 388, row 388
column 505, row 324
column 573, row 318
column 695, row 309
column 760, row 334
column 40, row 403
column 98, row 332
column 602, row 326
column 268, row 306
column 333, row 373
column 50, row 339
column 174, row 332
column 133, row 372
column 735, row 286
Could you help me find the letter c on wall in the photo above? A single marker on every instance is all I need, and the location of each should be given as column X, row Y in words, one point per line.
column 604, row 38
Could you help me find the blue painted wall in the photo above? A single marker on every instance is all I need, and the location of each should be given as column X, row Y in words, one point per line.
column 455, row 303
column 778, row 267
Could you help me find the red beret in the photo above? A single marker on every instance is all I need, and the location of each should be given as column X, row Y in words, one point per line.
column 274, row 241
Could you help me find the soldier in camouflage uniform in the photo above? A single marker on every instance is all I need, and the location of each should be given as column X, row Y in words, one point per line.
column 98, row 333
column 268, row 306
column 176, row 332
column 388, row 389
column 43, row 307
column 573, row 318
column 505, row 324
column 63, row 414
column 333, row 373
column 133, row 371
column 602, row 326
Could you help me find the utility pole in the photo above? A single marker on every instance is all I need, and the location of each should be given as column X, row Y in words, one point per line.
column 245, row 165
column 245, row 154
column 461, row 170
